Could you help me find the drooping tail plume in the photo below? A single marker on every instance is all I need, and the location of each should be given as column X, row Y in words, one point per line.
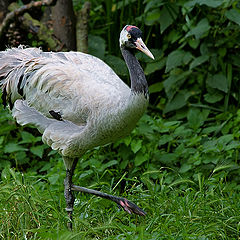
column 16, row 66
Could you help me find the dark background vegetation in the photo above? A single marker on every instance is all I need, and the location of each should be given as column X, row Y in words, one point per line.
column 189, row 137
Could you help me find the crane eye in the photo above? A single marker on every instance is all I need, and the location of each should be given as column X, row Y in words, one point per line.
column 128, row 36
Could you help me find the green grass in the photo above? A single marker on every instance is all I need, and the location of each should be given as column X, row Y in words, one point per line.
column 31, row 208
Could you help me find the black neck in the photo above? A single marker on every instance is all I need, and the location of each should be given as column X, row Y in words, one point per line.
column 138, row 80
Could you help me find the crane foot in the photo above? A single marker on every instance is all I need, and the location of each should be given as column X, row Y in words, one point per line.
column 130, row 207
column 127, row 206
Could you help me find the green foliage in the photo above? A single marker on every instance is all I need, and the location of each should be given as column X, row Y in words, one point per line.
column 181, row 163
column 20, row 147
column 34, row 208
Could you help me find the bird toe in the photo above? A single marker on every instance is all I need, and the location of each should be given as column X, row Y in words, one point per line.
column 130, row 207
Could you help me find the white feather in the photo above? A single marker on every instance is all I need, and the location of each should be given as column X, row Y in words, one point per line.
column 123, row 36
column 96, row 106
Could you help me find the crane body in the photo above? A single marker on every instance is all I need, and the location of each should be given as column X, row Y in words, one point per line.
column 76, row 101
column 99, row 110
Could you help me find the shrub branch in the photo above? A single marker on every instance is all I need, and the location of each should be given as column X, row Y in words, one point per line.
column 10, row 17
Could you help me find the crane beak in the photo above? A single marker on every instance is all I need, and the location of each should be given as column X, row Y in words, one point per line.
column 142, row 47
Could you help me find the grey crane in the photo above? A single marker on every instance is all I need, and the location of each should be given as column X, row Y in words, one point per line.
column 76, row 101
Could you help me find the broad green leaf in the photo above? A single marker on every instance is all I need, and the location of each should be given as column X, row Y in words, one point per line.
column 124, row 164
column 233, row 145
column 21, row 158
column 140, row 158
column 187, row 58
column 153, row 4
column 46, row 167
column 95, row 163
column 183, row 132
column 166, row 19
column 5, row 175
column 152, row 16
column 211, row 158
column 199, row 30
column 154, row 66
column 218, row 81
column 211, row 129
column 6, row 128
column 233, row 15
column 107, row 165
column 96, row 46
column 14, row 147
column 86, row 173
column 185, row 167
column 168, row 158
column 165, row 139
column 3, row 166
column 174, row 82
column 175, row 59
column 156, row 87
column 224, row 140
column 144, row 129
column 173, row 36
column 28, row 137
column 210, row 146
column 204, row 49
column 38, row 150
column 117, row 64
column 198, row 61
column 193, row 43
column 209, row 3
column 173, row 124
column 213, row 97
column 53, row 179
column 178, row 101
column 196, row 117
column 222, row 51
column 127, row 140
column 136, row 145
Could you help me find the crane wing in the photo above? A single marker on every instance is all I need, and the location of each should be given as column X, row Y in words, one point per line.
column 72, row 83
column 57, row 134
column 28, row 115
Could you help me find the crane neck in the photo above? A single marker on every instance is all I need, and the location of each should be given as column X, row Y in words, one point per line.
column 138, row 79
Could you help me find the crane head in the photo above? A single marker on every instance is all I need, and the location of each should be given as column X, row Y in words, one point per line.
column 131, row 37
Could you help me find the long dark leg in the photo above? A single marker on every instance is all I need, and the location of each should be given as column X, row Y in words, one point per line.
column 68, row 192
column 122, row 202
column 128, row 206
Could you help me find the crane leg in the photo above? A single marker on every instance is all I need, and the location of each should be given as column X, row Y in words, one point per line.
column 68, row 194
column 69, row 187
column 127, row 206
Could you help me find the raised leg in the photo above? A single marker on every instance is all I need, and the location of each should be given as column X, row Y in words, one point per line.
column 68, row 194
column 70, row 164
column 127, row 206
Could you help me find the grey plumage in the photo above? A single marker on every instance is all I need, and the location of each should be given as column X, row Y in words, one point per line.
column 103, row 108
column 75, row 100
